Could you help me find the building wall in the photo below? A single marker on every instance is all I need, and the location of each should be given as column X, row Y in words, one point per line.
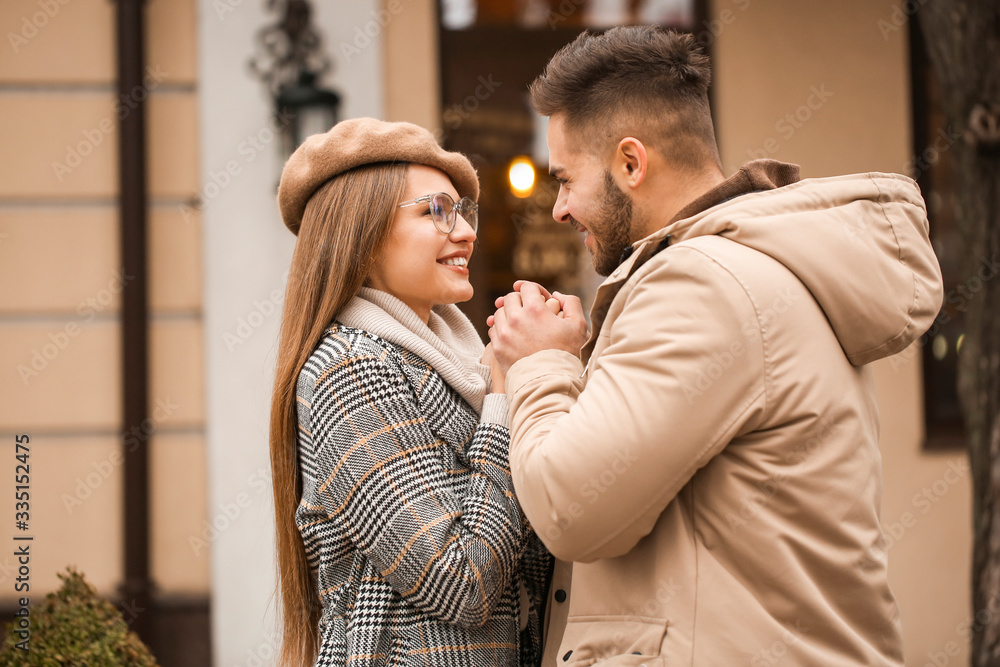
column 411, row 69
column 59, row 309
column 826, row 85
column 216, row 268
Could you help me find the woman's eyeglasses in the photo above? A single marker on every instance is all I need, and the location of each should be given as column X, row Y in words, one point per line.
column 444, row 209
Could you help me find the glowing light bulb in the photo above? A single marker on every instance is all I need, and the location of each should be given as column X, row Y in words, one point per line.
column 521, row 176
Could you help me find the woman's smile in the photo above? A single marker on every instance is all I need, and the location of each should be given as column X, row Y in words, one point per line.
column 458, row 262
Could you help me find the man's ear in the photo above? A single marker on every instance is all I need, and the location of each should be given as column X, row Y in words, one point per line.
column 630, row 162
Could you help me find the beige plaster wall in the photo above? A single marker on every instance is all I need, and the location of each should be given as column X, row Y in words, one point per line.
column 826, row 85
column 62, row 280
column 410, row 61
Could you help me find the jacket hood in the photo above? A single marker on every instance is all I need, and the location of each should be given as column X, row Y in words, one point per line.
column 859, row 243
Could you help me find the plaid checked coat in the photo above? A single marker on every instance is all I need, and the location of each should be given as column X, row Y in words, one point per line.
column 421, row 553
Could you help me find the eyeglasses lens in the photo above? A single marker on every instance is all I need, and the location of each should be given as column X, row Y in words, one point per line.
column 441, row 206
column 444, row 210
column 470, row 211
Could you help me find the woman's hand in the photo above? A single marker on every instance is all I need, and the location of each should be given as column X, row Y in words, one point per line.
column 497, row 378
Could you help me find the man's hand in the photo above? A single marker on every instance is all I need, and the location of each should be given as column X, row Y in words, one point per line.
column 530, row 320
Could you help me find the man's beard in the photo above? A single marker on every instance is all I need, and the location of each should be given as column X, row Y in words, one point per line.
column 612, row 227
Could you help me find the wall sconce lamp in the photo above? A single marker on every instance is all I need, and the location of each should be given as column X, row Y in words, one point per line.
column 310, row 110
column 291, row 63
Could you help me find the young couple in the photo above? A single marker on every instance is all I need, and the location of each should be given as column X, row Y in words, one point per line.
column 722, row 402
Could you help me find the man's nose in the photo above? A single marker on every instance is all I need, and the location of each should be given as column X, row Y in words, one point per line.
column 560, row 211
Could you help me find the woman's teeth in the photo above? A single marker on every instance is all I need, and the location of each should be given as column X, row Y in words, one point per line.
column 455, row 261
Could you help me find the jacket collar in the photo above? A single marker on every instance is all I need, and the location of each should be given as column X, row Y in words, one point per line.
column 754, row 176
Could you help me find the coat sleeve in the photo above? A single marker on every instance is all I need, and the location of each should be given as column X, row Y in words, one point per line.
column 382, row 478
column 682, row 373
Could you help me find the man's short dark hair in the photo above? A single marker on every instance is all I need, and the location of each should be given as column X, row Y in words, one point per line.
column 640, row 81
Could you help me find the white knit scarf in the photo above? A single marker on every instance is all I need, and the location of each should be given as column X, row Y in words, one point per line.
column 448, row 341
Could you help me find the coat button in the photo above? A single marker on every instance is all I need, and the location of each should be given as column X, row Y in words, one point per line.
column 560, row 595
column 568, row 654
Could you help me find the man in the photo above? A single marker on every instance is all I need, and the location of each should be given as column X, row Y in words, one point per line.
column 706, row 468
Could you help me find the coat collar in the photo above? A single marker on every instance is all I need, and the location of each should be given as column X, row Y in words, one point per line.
column 754, row 176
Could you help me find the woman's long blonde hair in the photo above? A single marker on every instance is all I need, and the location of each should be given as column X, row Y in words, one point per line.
column 344, row 228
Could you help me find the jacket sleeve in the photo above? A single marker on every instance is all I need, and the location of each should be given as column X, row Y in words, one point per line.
column 682, row 373
column 382, row 478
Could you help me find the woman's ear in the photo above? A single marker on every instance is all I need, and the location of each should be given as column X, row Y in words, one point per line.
column 630, row 162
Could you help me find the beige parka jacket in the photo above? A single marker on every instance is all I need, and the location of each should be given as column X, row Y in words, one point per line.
column 710, row 481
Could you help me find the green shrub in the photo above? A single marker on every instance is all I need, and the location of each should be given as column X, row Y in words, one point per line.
column 75, row 628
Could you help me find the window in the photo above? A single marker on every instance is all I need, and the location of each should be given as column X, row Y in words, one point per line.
column 933, row 167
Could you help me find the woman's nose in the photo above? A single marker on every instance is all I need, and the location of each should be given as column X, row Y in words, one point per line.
column 463, row 230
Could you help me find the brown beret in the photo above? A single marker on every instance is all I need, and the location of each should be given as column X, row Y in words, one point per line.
column 358, row 141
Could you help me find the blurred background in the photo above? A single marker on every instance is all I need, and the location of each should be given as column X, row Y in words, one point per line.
column 143, row 259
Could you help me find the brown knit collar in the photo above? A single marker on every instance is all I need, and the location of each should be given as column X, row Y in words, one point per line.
column 753, row 176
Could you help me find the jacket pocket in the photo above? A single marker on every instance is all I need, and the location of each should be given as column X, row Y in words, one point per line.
column 613, row 641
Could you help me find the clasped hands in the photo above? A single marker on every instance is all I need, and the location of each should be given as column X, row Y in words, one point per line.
column 529, row 320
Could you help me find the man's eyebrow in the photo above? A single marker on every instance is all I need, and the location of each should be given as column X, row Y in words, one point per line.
column 556, row 171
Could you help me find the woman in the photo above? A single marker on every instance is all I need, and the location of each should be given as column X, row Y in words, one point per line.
column 400, row 540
